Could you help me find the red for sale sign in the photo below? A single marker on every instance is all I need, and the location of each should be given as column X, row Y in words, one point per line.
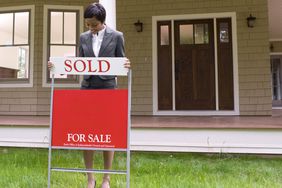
column 90, row 118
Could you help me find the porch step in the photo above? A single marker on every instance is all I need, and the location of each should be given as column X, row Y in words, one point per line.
column 179, row 134
column 264, row 141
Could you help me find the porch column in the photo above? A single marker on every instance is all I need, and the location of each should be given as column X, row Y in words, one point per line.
column 110, row 6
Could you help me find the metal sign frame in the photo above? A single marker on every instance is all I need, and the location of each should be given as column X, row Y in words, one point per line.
column 124, row 172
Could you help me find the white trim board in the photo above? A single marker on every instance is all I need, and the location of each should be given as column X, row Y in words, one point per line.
column 277, row 107
column 260, row 141
column 44, row 56
column 31, row 47
column 275, row 53
column 216, row 65
column 213, row 16
column 275, row 40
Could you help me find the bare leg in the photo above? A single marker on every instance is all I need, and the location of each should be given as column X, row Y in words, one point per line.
column 108, row 160
column 88, row 160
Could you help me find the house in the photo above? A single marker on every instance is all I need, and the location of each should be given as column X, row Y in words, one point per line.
column 192, row 58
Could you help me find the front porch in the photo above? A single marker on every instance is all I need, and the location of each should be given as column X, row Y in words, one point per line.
column 233, row 134
column 185, row 122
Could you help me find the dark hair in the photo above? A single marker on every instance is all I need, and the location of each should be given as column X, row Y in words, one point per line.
column 95, row 10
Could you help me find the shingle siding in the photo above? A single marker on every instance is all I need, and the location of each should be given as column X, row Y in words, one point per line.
column 253, row 46
column 253, row 52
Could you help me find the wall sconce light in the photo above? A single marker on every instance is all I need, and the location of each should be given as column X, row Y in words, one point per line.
column 138, row 26
column 271, row 47
column 251, row 21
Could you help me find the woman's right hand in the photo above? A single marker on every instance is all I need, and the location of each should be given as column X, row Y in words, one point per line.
column 50, row 65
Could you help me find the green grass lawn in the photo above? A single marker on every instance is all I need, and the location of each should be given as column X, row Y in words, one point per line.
column 27, row 168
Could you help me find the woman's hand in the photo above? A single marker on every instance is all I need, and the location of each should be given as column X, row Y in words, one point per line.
column 127, row 64
column 50, row 65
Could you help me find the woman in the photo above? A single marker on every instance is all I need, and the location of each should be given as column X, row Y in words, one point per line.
column 99, row 41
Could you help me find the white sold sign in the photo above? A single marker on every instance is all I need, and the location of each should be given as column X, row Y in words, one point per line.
column 89, row 65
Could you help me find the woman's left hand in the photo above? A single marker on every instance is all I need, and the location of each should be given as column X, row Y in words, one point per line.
column 127, row 64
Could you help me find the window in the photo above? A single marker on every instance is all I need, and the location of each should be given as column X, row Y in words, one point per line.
column 62, row 26
column 201, row 33
column 62, row 39
column 186, row 34
column 16, row 49
column 276, row 77
column 194, row 34
column 223, row 32
column 164, row 35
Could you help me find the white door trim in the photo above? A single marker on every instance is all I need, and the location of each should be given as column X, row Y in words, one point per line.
column 172, row 18
column 215, row 64
column 275, row 53
column 173, row 66
column 275, row 40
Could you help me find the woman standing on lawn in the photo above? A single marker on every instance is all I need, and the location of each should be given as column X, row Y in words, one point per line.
column 99, row 41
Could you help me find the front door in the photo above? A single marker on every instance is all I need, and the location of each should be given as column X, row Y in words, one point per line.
column 194, row 65
column 190, row 75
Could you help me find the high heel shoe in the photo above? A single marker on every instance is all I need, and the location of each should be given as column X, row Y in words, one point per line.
column 92, row 184
column 105, row 183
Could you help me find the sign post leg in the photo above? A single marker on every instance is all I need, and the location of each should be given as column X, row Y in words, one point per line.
column 50, row 133
column 128, row 132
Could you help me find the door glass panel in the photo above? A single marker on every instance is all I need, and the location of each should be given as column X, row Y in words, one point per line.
column 56, row 28
column 21, row 27
column 186, row 34
column 164, row 35
column 223, row 32
column 206, row 35
column 6, row 29
column 201, row 34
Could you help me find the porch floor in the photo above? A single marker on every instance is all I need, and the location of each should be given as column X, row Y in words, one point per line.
column 192, row 122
